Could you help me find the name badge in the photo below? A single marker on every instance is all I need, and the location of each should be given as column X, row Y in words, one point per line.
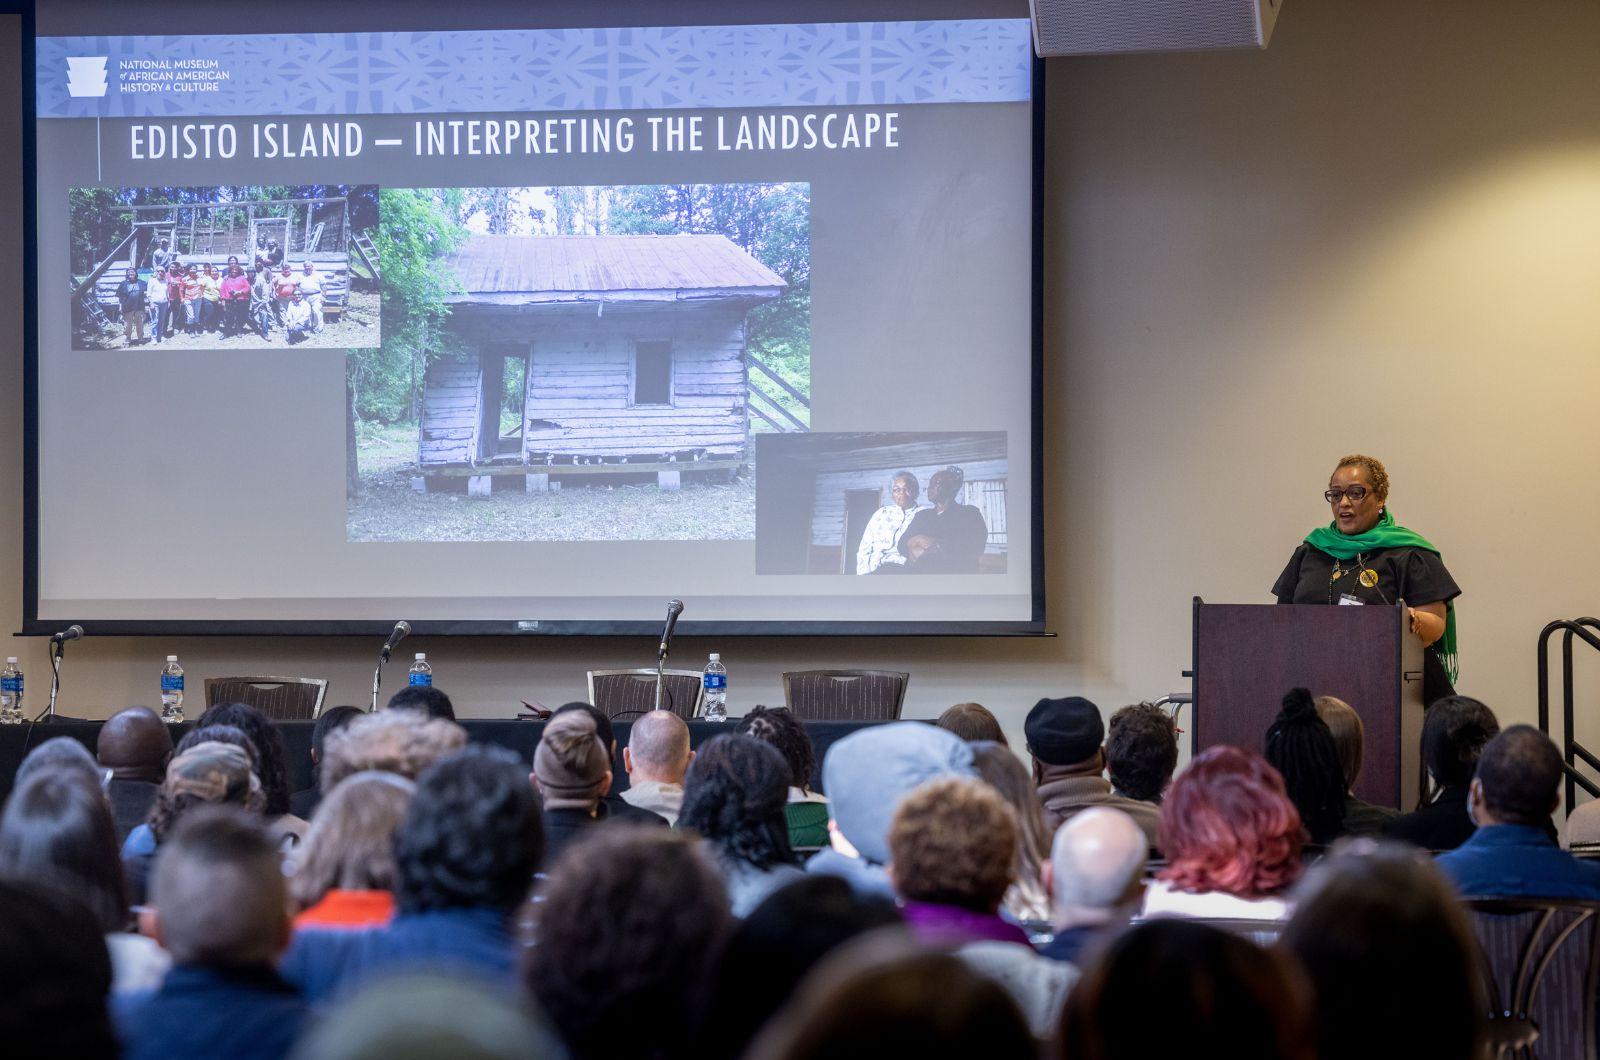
column 1346, row 598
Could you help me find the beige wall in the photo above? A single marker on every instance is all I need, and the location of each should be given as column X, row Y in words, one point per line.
column 1382, row 234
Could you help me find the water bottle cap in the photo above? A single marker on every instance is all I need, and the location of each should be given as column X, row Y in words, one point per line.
column 172, row 658
column 716, row 656
column 422, row 656
column 12, row 659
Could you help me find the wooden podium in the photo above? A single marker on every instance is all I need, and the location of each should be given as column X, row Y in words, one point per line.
column 1246, row 656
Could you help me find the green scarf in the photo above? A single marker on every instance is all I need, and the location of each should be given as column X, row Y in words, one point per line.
column 1388, row 534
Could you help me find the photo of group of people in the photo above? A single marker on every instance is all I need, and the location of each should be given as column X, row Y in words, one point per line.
column 224, row 266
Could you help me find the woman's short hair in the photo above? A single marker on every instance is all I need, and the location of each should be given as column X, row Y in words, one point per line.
column 734, row 796
column 972, row 722
column 1454, row 731
column 1175, row 987
column 1227, row 825
column 404, row 742
column 350, row 844
column 1349, row 735
column 1374, row 469
column 1380, row 931
column 779, row 727
column 953, row 842
column 57, row 832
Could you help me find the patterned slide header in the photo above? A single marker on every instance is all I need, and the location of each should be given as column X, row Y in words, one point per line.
column 810, row 65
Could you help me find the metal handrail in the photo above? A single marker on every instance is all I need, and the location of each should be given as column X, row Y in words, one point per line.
column 1571, row 749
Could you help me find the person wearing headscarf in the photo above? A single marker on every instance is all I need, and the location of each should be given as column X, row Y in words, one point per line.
column 949, row 537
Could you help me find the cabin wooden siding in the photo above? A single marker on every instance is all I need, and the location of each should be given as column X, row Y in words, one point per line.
column 449, row 430
column 827, row 513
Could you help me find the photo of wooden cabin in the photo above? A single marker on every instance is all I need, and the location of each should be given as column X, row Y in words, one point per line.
column 629, row 353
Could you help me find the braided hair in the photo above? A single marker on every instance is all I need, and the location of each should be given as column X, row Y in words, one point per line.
column 1300, row 746
column 734, row 797
column 779, row 727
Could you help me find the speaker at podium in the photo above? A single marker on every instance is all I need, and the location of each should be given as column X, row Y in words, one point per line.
column 1246, row 656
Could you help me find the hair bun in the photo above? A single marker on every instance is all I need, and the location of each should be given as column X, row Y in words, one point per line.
column 1298, row 704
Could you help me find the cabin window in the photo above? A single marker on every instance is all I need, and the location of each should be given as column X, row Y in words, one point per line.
column 652, row 373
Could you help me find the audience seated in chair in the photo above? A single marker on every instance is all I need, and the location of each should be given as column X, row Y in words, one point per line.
column 404, row 742
column 221, row 910
column 430, row 700
column 616, row 807
column 56, row 753
column 303, row 803
column 1390, row 954
column 612, row 990
column 1516, row 789
column 55, row 977
column 1169, row 988
column 1141, row 752
column 865, row 775
column 772, row 949
column 1349, row 739
column 1301, row 748
column 656, row 758
column 465, row 856
column 1064, row 738
column 344, row 871
column 1027, row 900
column 206, row 771
column 807, row 811
column 572, row 773
column 1454, row 732
column 734, row 798
column 134, row 745
column 973, row 723
column 1232, row 840
column 1095, row 875
column 272, row 766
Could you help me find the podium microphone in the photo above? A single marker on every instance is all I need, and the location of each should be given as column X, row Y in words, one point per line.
column 674, row 609
column 73, row 632
column 401, row 630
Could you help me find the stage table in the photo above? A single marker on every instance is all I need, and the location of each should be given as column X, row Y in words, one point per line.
column 520, row 736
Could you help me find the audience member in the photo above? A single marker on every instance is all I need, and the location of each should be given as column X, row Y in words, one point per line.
column 865, row 775
column 951, row 845
column 57, row 833
column 58, row 753
column 1064, row 737
column 1386, row 945
column 772, row 949
column 1516, row 789
column 303, row 803
column 573, row 773
column 611, row 988
column 1026, row 900
column 1349, row 739
column 1169, row 988
column 344, row 872
column 1300, row 747
column 733, row 798
column 881, row 996
column 426, row 698
column 134, row 745
column 1232, row 840
column 221, row 910
column 465, row 856
column 207, row 772
column 55, row 977
column 1141, row 752
column 616, row 807
column 1096, row 881
column 403, row 742
column 272, row 765
column 422, row 1016
column 807, row 811
column 657, row 756
column 1454, row 732
column 973, row 723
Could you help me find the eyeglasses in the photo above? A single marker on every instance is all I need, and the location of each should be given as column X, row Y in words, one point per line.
column 1357, row 494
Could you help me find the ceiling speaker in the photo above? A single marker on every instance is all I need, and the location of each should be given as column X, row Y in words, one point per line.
column 1100, row 27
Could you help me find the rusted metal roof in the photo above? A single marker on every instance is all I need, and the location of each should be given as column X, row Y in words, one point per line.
column 554, row 265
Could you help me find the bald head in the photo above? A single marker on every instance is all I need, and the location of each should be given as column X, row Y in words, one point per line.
column 135, row 745
column 658, row 748
column 1096, row 861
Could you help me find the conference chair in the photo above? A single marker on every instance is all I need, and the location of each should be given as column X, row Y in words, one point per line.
column 1541, row 970
column 630, row 693
column 279, row 698
column 845, row 695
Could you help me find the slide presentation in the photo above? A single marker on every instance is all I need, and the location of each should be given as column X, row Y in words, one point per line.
column 525, row 318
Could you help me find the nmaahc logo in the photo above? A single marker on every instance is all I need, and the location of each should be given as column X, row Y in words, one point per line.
column 86, row 75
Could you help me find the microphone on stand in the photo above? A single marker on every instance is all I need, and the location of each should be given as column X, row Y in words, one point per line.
column 401, row 630
column 674, row 609
column 58, row 649
column 72, row 632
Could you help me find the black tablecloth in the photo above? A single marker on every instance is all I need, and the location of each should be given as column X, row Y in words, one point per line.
column 519, row 736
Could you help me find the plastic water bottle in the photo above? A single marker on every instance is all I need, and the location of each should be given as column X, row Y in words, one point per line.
column 421, row 672
column 172, row 691
column 11, row 692
column 714, row 683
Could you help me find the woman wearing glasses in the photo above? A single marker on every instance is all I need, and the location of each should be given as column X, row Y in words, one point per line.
column 1365, row 557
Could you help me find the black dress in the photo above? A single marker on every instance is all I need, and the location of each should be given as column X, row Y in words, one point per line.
column 961, row 533
column 1414, row 575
